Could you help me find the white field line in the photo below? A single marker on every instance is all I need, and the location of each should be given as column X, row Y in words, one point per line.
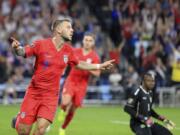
column 127, row 123
column 120, row 122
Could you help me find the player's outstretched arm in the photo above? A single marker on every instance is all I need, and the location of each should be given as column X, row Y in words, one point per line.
column 156, row 115
column 95, row 72
column 168, row 123
column 146, row 120
column 19, row 50
column 86, row 66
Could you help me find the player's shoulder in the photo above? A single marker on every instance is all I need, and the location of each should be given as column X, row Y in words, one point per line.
column 68, row 46
column 95, row 55
column 94, row 52
column 41, row 41
column 44, row 40
column 136, row 92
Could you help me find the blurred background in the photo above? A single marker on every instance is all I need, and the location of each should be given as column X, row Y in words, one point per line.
column 141, row 35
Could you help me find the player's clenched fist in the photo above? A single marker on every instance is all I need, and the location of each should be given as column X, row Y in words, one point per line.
column 19, row 50
column 15, row 43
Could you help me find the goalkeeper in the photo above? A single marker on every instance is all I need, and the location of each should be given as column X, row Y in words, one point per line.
column 139, row 107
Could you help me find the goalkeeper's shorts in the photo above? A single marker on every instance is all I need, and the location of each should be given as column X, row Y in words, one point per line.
column 158, row 129
column 155, row 129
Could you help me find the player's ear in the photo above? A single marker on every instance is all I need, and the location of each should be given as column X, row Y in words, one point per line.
column 93, row 42
column 83, row 40
column 59, row 30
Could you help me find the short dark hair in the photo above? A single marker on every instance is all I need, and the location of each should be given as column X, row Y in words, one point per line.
column 90, row 34
column 59, row 21
column 148, row 74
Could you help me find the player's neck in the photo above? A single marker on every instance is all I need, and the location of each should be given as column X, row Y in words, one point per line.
column 58, row 42
column 145, row 88
column 86, row 51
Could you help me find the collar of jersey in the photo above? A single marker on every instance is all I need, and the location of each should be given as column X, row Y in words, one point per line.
column 144, row 90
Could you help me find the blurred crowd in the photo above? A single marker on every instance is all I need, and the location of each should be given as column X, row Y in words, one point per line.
column 140, row 35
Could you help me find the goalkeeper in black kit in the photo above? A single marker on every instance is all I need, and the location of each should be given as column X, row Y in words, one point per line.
column 139, row 107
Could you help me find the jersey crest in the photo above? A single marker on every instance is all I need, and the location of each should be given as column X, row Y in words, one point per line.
column 65, row 58
column 23, row 115
column 130, row 100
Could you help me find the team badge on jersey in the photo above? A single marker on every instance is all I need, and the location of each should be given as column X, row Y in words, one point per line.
column 45, row 64
column 23, row 114
column 130, row 100
column 65, row 58
column 89, row 60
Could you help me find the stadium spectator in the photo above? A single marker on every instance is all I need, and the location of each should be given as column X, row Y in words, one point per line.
column 10, row 94
column 160, row 70
column 130, row 81
column 176, row 72
column 176, row 66
column 3, row 71
column 115, row 79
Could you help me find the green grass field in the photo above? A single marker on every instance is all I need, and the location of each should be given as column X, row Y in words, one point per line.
column 106, row 120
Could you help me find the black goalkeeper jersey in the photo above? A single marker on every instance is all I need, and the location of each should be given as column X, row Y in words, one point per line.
column 140, row 104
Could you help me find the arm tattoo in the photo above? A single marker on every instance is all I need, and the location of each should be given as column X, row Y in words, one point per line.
column 20, row 51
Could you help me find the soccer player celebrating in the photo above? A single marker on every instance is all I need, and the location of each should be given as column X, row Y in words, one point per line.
column 139, row 107
column 75, row 86
column 52, row 56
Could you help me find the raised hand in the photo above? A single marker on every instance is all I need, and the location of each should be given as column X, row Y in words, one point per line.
column 107, row 65
column 15, row 43
column 19, row 50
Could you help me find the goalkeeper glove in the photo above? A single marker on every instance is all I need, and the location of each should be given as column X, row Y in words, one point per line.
column 169, row 124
